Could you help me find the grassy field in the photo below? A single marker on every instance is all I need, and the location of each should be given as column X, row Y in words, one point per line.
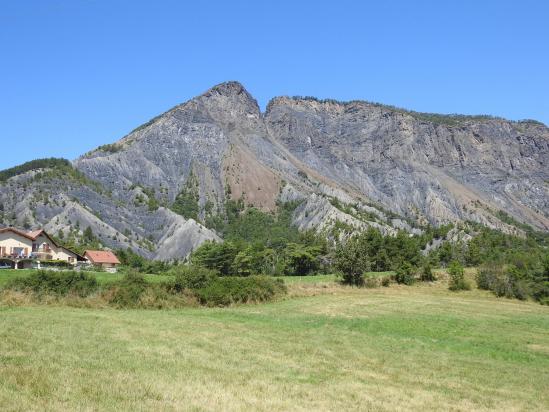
column 325, row 347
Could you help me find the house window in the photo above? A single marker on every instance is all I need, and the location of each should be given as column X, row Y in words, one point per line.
column 71, row 259
column 18, row 251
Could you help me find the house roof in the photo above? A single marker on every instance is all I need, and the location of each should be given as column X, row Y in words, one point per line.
column 101, row 256
column 28, row 235
column 33, row 235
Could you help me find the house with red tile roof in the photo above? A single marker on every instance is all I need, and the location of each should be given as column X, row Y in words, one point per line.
column 102, row 258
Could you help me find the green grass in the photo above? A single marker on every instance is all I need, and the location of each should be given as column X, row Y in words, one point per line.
column 290, row 280
column 102, row 277
column 419, row 348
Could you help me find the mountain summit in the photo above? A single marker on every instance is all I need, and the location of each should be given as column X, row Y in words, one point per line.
column 360, row 163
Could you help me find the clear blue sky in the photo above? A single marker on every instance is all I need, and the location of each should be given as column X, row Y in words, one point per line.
column 75, row 74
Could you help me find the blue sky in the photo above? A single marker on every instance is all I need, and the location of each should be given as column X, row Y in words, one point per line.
column 78, row 74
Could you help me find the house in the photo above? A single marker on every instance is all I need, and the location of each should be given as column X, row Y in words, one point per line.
column 22, row 249
column 103, row 259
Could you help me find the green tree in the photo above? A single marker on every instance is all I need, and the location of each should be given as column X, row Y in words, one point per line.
column 381, row 261
column 427, row 274
column 405, row 274
column 352, row 261
column 300, row 260
column 243, row 263
column 472, row 257
column 445, row 253
column 88, row 236
column 216, row 256
column 457, row 277
column 185, row 204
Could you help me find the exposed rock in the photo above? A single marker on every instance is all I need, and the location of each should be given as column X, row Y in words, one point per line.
column 181, row 237
column 318, row 214
column 417, row 167
column 390, row 168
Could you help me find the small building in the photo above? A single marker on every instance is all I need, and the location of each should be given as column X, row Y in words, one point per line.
column 103, row 259
column 22, row 249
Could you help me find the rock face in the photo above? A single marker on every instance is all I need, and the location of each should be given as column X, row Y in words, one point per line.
column 356, row 162
column 449, row 170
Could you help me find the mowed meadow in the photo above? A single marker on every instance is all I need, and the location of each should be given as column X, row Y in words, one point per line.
column 323, row 347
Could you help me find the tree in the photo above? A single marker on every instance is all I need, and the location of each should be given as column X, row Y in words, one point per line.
column 352, row 261
column 540, row 284
column 129, row 258
column 216, row 256
column 242, row 263
column 185, row 204
column 445, row 253
column 457, row 277
column 473, row 258
column 382, row 261
column 427, row 274
column 300, row 260
column 405, row 274
column 88, row 235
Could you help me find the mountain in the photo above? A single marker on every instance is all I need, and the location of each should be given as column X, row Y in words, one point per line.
column 357, row 163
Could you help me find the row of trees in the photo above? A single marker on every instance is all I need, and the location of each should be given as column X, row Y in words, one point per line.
column 257, row 242
column 244, row 259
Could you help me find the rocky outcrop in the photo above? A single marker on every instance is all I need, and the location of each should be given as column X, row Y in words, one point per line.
column 449, row 168
column 65, row 207
column 385, row 167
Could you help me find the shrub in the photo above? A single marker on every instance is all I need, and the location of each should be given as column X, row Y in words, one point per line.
column 224, row 291
column 385, row 281
column 516, row 281
column 191, row 277
column 55, row 263
column 127, row 292
column 427, row 274
column 540, row 283
column 44, row 282
column 371, row 282
column 159, row 296
column 503, row 281
column 352, row 279
column 405, row 274
column 457, row 277
column 486, row 276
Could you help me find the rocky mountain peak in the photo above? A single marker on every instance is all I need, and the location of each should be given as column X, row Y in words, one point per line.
column 230, row 95
column 229, row 88
column 355, row 162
